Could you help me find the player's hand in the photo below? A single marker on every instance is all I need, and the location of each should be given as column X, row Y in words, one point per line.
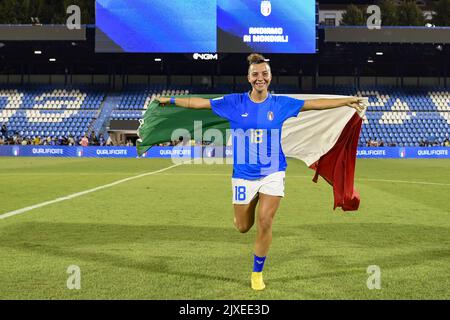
column 356, row 103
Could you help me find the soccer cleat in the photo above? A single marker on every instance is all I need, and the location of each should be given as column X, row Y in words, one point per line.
column 257, row 281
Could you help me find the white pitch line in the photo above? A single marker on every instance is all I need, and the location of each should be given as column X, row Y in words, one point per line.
column 395, row 181
column 408, row 182
column 78, row 194
column 43, row 204
column 311, row 176
column 383, row 180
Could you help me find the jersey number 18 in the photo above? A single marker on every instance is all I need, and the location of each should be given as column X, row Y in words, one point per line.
column 256, row 135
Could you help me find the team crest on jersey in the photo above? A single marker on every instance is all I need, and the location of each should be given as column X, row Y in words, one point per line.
column 266, row 8
column 270, row 115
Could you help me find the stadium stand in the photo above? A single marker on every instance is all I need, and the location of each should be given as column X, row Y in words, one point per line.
column 400, row 117
column 403, row 117
column 43, row 112
column 134, row 100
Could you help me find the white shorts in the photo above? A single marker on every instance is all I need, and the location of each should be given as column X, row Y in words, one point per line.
column 245, row 190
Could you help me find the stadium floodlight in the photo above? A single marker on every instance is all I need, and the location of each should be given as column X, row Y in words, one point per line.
column 379, row 53
column 267, row 60
column 158, row 59
column 52, row 59
column 370, row 60
column 37, row 52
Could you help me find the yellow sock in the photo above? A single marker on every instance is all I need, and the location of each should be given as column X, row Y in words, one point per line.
column 257, row 281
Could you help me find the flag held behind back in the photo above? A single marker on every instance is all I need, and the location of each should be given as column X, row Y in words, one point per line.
column 325, row 140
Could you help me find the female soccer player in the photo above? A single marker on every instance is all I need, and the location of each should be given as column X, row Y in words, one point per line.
column 259, row 165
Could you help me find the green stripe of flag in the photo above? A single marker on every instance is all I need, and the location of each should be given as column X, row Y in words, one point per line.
column 160, row 122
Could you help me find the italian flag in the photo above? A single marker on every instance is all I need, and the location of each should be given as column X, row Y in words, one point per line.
column 325, row 140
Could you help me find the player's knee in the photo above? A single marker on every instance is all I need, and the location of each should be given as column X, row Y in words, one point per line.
column 243, row 227
column 265, row 223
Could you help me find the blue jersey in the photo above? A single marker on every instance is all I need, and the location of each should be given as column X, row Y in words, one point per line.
column 256, row 132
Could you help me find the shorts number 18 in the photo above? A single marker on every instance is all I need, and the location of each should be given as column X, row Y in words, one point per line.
column 239, row 193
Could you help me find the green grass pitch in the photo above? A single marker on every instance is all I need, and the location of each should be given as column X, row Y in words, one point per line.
column 170, row 235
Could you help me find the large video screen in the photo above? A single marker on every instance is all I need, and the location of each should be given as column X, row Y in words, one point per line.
column 184, row 26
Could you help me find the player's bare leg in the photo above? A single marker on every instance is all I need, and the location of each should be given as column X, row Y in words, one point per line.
column 244, row 215
column 268, row 206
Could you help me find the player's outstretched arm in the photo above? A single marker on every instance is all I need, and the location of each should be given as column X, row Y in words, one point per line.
column 192, row 103
column 323, row 104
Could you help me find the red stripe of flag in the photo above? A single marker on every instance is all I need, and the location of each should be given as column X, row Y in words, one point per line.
column 337, row 166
